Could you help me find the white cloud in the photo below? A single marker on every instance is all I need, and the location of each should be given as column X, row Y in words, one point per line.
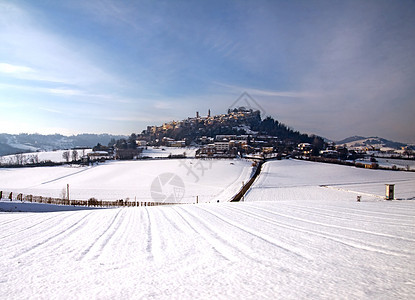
column 8, row 68
column 36, row 53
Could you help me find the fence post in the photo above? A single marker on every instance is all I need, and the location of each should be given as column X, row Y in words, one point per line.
column 67, row 193
column 390, row 191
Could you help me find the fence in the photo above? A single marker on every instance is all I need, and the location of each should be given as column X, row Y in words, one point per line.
column 92, row 202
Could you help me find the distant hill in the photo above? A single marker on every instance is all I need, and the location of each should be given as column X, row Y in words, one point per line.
column 20, row 143
column 377, row 142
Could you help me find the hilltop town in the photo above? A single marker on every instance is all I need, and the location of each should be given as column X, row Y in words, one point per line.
column 239, row 132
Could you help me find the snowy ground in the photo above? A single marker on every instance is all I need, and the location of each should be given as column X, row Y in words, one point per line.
column 289, row 180
column 209, row 180
column 291, row 239
column 155, row 152
column 54, row 156
column 390, row 162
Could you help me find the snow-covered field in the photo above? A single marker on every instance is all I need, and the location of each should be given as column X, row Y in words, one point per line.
column 155, row 152
column 182, row 179
column 299, row 235
column 54, row 156
column 292, row 180
column 390, row 162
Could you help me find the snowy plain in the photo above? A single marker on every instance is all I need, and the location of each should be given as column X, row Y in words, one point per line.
column 300, row 234
column 156, row 152
column 54, row 156
column 204, row 180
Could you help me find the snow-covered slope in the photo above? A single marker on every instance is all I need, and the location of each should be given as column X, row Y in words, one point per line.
column 54, row 156
column 293, row 240
column 209, row 180
column 17, row 143
column 272, row 250
column 289, row 180
column 155, row 152
column 356, row 142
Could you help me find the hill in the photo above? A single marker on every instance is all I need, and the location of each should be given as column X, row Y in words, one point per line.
column 371, row 142
column 21, row 143
column 236, row 122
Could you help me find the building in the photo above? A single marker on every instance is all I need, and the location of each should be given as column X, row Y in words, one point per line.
column 222, row 146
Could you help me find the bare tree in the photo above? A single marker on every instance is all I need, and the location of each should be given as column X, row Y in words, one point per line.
column 63, row 194
column 66, row 155
column 20, row 159
column 34, row 159
column 74, row 155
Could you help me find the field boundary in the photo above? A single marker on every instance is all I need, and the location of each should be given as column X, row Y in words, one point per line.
column 239, row 196
column 92, row 202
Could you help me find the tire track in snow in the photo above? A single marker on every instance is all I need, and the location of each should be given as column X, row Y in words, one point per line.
column 88, row 250
column 59, row 178
column 334, row 226
column 400, row 216
column 122, row 222
column 15, row 220
column 154, row 247
column 334, row 237
column 351, row 191
column 219, row 245
column 184, row 220
column 325, row 213
column 172, row 223
column 110, row 235
column 61, row 234
column 283, row 246
column 37, row 224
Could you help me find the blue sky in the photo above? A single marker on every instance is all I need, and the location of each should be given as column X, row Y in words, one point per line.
column 333, row 68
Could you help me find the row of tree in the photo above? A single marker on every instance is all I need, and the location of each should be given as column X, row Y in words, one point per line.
column 66, row 155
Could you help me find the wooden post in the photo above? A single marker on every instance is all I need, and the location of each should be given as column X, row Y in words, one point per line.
column 67, row 192
column 390, row 191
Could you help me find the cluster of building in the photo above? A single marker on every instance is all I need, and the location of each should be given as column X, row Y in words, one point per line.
column 152, row 133
column 238, row 145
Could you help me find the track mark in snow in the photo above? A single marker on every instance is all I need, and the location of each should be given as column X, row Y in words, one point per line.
column 59, row 178
column 15, row 220
column 98, row 239
column 36, row 224
column 335, row 226
column 334, row 237
column 318, row 211
column 154, row 242
column 173, row 224
column 62, row 234
column 217, row 243
column 264, row 237
column 185, row 221
column 351, row 191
